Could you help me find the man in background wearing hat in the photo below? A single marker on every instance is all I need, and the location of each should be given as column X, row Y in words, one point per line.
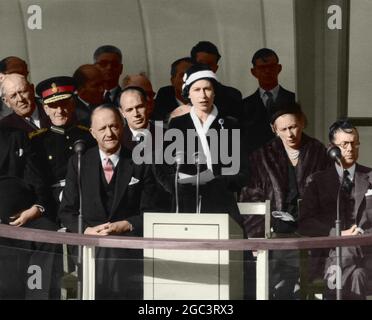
column 270, row 96
column 19, row 95
column 55, row 145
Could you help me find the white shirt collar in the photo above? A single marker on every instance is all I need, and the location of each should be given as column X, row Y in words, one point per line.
column 114, row 157
column 341, row 173
column 35, row 117
column 140, row 132
column 274, row 91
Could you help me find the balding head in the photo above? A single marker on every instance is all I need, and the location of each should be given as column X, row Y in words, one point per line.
column 107, row 128
column 18, row 94
column 142, row 81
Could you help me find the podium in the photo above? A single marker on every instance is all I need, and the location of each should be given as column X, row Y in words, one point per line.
column 192, row 274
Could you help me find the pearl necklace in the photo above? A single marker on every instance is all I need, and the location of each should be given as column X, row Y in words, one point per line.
column 293, row 154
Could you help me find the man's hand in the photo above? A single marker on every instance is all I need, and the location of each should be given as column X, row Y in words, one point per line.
column 100, row 230
column 28, row 215
column 109, row 228
column 350, row 232
column 119, row 227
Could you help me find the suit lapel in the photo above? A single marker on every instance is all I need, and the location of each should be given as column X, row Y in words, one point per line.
column 4, row 143
column 123, row 177
column 93, row 173
column 361, row 187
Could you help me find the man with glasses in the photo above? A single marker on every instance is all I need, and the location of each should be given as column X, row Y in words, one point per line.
column 268, row 98
column 319, row 211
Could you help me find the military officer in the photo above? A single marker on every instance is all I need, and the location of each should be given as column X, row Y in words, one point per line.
column 55, row 144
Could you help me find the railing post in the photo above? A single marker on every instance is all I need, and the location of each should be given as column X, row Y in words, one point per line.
column 89, row 273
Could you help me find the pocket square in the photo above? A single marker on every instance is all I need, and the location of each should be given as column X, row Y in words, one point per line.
column 133, row 181
column 369, row 193
column 19, row 152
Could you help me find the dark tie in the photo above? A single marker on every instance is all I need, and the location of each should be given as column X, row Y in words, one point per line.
column 269, row 102
column 107, row 97
column 108, row 169
column 347, row 184
column 32, row 122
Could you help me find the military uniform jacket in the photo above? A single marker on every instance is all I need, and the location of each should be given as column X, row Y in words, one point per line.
column 55, row 146
column 17, row 159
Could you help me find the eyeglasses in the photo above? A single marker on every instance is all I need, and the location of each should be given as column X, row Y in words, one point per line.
column 344, row 144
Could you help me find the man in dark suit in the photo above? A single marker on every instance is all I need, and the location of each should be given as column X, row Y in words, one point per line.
column 134, row 108
column 170, row 97
column 115, row 192
column 318, row 211
column 19, row 95
column 90, row 91
column 109, row 60
column 268, row 98
column 25, row 207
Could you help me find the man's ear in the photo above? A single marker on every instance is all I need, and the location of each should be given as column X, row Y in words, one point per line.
column 273, row 128
column 279, row 68
column 92, row 133
column 253, row 72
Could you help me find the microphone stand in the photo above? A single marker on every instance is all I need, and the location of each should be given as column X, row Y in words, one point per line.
column 176, row 187
column 79, row 147
column 80, row 230
column 338, row 249
column 197, row 183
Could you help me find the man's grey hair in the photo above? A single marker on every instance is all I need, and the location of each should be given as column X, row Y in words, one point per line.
column 128, row 77
column 107, row 49
column 3, row 77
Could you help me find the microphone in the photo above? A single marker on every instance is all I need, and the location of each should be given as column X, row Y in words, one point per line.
column 179, row 157
column 79, row 146
column 196, row 158
column 221, row 122
column 334, row 153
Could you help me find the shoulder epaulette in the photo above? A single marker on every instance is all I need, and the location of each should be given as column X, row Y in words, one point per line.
column 83, row 127
column 36, row 133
